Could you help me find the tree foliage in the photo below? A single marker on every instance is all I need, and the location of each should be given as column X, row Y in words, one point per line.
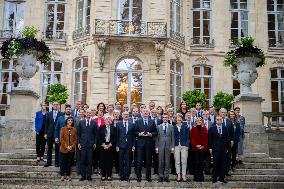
column 57, row 93
column 223, row 100
column 193, row 97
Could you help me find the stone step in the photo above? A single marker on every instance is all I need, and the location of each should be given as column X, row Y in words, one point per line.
column 256, row 155
column 263, row 160
column 55, row 175
column 246, row 165
column 55, row 183
column 27, row 168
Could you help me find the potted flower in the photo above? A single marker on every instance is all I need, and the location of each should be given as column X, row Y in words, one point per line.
column 243, row 61
column 27, row 50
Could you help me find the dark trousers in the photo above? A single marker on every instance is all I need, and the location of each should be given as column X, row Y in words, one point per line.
column 78, row 161
column 228, row 161
column 124, row 162
column 96, row 158
column 199, row 163
column 116, row 156
column 40, row 144
column 219, row 165
column 107, row 161
column 155, row 161
column 50, row 141
column 234, row 154
column 190, row 162
column 144, row 151
column 172, row 164
column 207, row 162
column 86, row 161
column 65, row 163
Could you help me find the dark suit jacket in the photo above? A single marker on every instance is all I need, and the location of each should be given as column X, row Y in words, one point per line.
column 151, row 128
column 230, row 128
column 50, row 123
column 87, row 136
column 102, row 135
column 123, row 139
column 217, row 142
column 159, row 121
column 182, row 137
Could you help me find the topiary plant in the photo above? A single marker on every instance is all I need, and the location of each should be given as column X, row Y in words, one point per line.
column 223, row 100
column 57, row 93
column 193, row 97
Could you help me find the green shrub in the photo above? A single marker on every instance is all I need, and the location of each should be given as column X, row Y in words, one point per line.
column 193, row 97
column 223, row 100
column 57, row 93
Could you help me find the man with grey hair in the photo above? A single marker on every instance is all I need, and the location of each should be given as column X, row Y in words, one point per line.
column 145, row 131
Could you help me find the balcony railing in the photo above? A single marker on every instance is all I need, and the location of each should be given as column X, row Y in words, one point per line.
column 273, row 119
column 178, row 37
column 129, row 28
column 276, row 44
column 205, row 42
column 56, row 36
column 10, row 33
column 81, row 32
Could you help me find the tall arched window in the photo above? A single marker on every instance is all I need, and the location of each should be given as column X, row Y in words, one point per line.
column 129, row 81
column 51, row 73
column 176, row 83
column 277, row 89
column 202, row 79
column 80, row 76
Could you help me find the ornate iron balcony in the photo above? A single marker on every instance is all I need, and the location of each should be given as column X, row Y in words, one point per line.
column 58, row 35
column 178, row 37
column 81, row 32
column 10, row 33
column 205, row 42
column 129, row 28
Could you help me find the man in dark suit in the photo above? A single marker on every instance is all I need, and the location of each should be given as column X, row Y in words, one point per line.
column 125, row 145
column 49, row 134
column 134, row 115
column 228, row 123
column 75, row 112
column 86, row 130
column 212, row 114
column 154, row 117
column 145, row 131
column 199, row 111
column 219, row 145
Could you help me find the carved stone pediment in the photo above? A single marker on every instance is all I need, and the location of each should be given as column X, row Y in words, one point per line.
column 202, row 60
column 81, row 49
column 130, row 48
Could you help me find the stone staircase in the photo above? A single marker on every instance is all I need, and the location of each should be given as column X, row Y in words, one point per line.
column 20, row 170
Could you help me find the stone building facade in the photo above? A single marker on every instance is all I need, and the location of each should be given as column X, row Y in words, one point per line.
column 142, row 50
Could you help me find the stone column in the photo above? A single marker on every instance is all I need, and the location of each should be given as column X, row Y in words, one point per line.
column 18, row 132
column 256, row 139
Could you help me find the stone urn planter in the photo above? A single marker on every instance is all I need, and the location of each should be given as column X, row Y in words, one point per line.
column 246, row 74
column 26, row 68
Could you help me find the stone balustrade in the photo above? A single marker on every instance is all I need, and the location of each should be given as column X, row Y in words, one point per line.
column 273, row 119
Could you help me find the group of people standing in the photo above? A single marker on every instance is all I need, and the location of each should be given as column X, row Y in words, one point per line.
column 183, row 143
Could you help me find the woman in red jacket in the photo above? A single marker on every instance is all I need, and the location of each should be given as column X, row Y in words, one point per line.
column 199, row 144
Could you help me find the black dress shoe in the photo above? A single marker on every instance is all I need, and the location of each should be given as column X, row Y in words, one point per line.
column 240, row 162
column 82, row 178
column 161, row 179
column 122, row 179
column 89, row 178
column 47, row 165
column 138, row 179
column 228, row 175
column 57, row 165
column 166, row 180
column 149, row 179
column 214, row 181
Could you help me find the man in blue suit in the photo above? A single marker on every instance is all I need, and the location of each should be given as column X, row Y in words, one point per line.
column 208, row 124
column 219, row 145
column 125, row 145
column 145, row 131
column 49, row 133
column 87, row 130
column 75, row 112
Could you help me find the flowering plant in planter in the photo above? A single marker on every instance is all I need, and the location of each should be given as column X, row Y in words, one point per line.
column 15, row 47
column 244, row 48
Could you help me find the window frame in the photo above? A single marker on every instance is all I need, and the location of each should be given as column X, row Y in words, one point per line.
column 202, row 76
column 52, row 73
column 276, row 30
column 129, row 75
column 175, row 75
column 81, row 70
column 55, row 32
column 84, row 24
column 174, row 5
column 239, row 11
column 201, row 11
column 279, row 79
